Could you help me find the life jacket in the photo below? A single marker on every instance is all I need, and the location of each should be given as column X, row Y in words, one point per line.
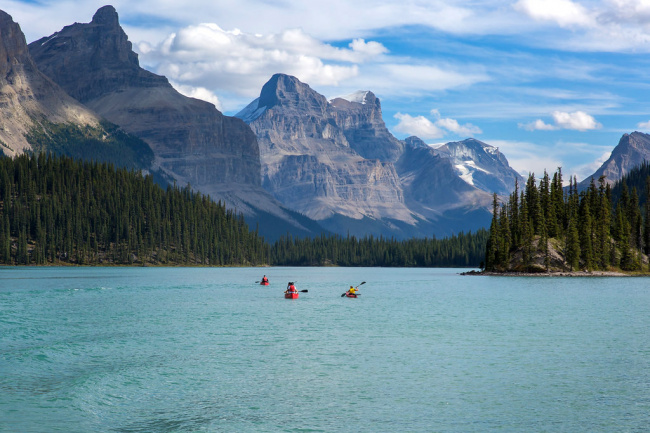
column 292, row 288
column 265, row 280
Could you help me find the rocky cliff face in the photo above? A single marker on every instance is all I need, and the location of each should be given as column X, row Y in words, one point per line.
column 192, row 141
column 308, row 162
column 28, row 99
column 481, row 165
column 359, row 116
column 631, row 151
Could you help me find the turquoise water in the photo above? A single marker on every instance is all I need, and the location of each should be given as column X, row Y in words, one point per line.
column 422, row 350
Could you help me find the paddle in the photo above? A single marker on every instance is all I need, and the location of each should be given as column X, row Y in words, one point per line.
column 362, row 283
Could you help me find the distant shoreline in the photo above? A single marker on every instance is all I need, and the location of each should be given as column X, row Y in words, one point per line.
column 582, row 274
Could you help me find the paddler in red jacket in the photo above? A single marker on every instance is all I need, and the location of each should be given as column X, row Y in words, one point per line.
column 291, row 288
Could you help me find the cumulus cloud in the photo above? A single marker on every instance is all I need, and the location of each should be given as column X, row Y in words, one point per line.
column 419, row 126
column 234, row 62
column 577, row 121
column 426, row 129
column 210, row 57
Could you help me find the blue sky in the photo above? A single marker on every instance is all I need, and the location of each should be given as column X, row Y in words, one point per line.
column 550, row 82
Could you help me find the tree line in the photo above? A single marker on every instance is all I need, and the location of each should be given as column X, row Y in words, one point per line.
column 592, row 229
column 55, row 210
column 462, row 250
column 58, row 210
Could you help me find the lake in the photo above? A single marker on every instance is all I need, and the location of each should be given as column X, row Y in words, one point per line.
column 421, row 350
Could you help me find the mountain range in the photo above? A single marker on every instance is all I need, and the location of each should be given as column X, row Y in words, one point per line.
column 292, row 161
column 336, row 162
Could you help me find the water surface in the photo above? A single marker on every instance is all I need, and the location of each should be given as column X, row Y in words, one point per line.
column 421, row 350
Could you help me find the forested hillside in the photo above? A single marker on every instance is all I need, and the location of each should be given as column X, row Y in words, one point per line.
column 55, row 210
column 544, row 228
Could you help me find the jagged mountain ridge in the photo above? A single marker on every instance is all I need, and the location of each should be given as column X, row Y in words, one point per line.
column 193, row 142
column 631, row 150
column 307, row 160
column 336, row 160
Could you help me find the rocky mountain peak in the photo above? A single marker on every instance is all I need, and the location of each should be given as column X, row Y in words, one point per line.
column 92, row 59
column 289, row 92
column 106, row 16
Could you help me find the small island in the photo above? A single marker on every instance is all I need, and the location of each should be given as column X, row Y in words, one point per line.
column 550, row 230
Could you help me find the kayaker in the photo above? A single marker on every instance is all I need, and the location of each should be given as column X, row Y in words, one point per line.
column 352, row 291
column 291, row 288
column 265, row 280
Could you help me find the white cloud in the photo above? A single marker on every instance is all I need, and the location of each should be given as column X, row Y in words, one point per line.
column 645, row 126
column 238, row 64
column 577, row 120
column 452, row 125
column 419, row 126
column 426, row 129
column 207, row 56
column 370, row 49
column 564, row 13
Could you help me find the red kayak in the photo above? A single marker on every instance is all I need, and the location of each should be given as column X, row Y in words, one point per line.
column 291, row 295
column 264, row 284
column 350, row 296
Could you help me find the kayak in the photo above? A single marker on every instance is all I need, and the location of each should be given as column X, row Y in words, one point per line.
column 264, row 284
column 350, row 296
column 291, row 295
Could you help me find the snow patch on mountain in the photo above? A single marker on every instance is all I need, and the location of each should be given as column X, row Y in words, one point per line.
column 466, row 170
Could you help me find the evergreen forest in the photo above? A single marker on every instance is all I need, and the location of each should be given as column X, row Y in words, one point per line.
column 548, row 227
column 55, row 210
